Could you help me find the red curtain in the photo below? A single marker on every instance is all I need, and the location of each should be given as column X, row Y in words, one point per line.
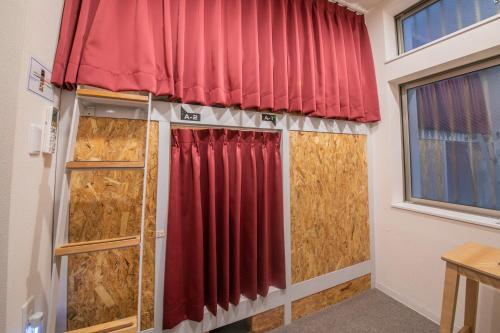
column 225, row 221
column 308, row 56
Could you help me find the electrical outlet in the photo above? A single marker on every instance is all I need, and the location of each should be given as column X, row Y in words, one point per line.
column 27, row 310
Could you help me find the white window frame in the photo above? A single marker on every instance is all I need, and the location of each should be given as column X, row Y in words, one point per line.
column 400, row 18
column 411, row 11
column 406, row 139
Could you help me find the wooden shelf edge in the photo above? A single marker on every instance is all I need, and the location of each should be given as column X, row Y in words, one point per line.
column 112, row 95
column 104, row 164
column 97, row 245
column 126, row 325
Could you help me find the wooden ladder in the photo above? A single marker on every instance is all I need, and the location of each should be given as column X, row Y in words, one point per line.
column 61, row 247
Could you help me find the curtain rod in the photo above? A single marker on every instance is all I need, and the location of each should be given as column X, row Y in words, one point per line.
column 350, row 6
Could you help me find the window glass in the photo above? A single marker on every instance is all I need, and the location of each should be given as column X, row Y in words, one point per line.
column 454, row 139
column 443, row 17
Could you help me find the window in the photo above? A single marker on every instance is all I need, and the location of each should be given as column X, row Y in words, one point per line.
column 433, row 19
column 452, row 139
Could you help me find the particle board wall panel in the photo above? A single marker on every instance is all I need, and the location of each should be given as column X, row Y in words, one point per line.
column 329, row 203
column 102, row 286
column 148, row 271
column 110, row 139
column 105, row 204
column 268, row 320
column 316, row 302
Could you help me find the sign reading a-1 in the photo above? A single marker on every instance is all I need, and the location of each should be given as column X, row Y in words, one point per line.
column 269, row 117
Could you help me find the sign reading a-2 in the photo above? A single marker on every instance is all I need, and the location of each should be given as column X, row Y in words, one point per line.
column 190, row 116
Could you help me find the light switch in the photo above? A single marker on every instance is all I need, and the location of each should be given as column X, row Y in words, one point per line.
column 35, row 138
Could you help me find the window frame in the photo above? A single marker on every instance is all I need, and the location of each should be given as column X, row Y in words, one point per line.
column 406, row 13
column 409, row 12
column 473, row 67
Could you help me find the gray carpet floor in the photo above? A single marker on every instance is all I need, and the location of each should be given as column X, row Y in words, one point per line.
column 372, row 311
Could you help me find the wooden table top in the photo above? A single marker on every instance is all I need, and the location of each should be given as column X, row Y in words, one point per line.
column 480, row 258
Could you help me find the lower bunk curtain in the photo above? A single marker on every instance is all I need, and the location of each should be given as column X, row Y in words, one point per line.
column 225, row 222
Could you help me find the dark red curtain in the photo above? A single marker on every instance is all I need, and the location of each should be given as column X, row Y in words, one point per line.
column 225, row 221
column 307, row 56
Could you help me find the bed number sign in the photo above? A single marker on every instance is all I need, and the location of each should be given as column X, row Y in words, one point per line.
column 190, row 116
column 269, row 117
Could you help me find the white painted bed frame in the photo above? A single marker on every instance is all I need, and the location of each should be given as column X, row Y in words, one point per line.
column 169, row 113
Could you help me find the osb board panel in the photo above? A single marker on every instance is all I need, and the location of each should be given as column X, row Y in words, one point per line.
column 268, row 320
column 110, row 139
column 104, row 204
column 329, row 203
column 148, row 272
column 102, row 287
column 310, row 304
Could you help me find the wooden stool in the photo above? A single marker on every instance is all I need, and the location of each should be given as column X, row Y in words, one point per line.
column 478, row 263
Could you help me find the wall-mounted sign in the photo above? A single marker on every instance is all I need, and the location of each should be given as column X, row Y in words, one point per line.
column 190, row 116
column 39, row 80
column 269, row 117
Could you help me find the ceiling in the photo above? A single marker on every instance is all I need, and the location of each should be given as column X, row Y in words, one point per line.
column 365, row 4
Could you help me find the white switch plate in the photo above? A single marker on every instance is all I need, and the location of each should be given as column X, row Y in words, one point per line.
column 35, row 137
column 27, row 310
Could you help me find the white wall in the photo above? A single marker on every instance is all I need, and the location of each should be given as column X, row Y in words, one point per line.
column 8, row 99
column 408, row 244
column 27, row 28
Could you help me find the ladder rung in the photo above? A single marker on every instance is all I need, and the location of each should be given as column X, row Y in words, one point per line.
column 97, row 245
column 127, row 325
column 112, row 95
column 104, row 164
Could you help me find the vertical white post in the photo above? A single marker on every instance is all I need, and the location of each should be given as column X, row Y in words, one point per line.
column 62, row 222
column 371, row 204
column 161, row 219
column 285, row 162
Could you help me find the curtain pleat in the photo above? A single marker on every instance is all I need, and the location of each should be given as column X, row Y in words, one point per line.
column 263, row 217
column 248, row 218
column 223, row 243
column 235, row 181
column 307, row 56
column 210, row 250
column 276, row 259
column 225, row 228
column 187, row 299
